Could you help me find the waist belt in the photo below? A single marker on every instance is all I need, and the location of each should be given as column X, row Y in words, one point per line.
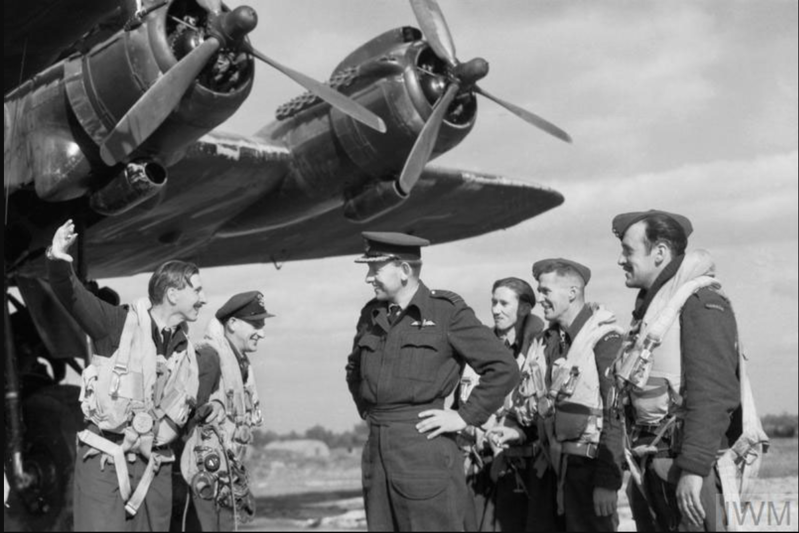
column 581, row 449
column 403, row 414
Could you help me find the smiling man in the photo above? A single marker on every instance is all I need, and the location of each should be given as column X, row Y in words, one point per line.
column 137, row 393
column 684, row 408
column 212, row 460
column 409, row 351
column 584, row 444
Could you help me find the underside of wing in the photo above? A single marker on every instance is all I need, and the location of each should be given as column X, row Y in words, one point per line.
column 446, row 205
column 221, row 176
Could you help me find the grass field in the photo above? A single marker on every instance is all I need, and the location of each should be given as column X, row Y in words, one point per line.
column 324, row 494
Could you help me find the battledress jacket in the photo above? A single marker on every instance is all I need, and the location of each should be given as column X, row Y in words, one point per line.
column 102, row 321
column 711, row 390
column 418, row 360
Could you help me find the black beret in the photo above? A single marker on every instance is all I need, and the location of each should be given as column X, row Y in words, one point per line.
column 387, row 246
column 245, row 306
column 621, row 223
column 545, row 265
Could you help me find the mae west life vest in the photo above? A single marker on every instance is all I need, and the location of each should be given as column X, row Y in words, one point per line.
column 651, row 356
column 242, row 410
column 574, row 384
column 122, row 388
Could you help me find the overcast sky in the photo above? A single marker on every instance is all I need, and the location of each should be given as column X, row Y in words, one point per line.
column 683, row 106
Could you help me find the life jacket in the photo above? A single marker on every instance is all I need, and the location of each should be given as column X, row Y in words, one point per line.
column 656, row 378
column 118, row 389
column 229, row 438
column 574, row 384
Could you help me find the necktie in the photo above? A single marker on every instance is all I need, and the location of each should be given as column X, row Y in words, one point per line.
column 393, row 313
column 167, row 338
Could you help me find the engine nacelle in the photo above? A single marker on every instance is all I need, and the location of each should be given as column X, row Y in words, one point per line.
column 59, row 119
column 137, row 183
column 337, row 160
column 374, row 201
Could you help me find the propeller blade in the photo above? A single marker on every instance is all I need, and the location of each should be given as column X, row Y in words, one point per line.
column 152, row 109
column 338, row 100
column 434, row 27
column 525, row 115
column 212, row 6
column 424, row 145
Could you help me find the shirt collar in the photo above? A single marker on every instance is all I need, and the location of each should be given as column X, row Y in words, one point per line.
column 574, row 328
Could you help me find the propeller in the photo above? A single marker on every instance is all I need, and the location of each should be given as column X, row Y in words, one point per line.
column 226, row 30
column 463, row 77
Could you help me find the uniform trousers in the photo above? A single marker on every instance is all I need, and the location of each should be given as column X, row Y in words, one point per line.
column 98, row 505
column 411, row 483
column 210, row 516
column 662, row 494
column 578, row 497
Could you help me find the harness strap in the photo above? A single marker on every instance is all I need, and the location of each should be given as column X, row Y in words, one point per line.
column 153, row 465
column 131, row 444
column 114, row 451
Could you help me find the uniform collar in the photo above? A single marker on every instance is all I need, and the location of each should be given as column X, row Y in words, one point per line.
column 645, row 296
column 574, row 328
column 418, row 308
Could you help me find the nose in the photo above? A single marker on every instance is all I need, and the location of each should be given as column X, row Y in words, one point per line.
column 203, row 301
column 261, row 333
column 622, row 260
column 369, row 278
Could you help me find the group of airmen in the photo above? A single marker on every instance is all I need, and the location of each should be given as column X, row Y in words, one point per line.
column 526, row 427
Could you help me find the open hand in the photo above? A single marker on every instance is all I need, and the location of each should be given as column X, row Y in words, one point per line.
column 439, row 422
column 63, row 239
column 605, row 501
column 688, row 490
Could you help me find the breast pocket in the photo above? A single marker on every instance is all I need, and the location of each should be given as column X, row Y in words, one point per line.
column 370, row 359
column 421, row 356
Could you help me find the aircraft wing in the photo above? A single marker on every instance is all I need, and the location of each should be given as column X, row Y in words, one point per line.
column 223, row 175
column 446, row 205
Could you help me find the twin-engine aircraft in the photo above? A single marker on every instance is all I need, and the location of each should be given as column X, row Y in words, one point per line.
column 110, row 116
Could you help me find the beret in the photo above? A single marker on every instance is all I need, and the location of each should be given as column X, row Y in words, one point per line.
column 545, row 265
column 621, row 223
column 387, row 246
column 245, row 306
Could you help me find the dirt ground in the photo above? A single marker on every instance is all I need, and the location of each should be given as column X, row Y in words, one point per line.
column 324, row 494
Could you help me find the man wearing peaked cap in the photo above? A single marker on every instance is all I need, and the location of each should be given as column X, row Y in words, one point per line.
column 385, row 246
column 584, row 444
column 406, row 359
column 687, row 403
column 229, row 409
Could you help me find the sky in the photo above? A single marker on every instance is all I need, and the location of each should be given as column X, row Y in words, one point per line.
column 689, row 107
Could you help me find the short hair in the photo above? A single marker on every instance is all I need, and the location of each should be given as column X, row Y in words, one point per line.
column 415, row 264
column 663, row 228
column 522, row 289
column 563, row 270
column 172, row 274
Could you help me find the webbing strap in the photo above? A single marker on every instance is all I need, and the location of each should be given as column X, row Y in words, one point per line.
column 153, row 465
column 115, row 452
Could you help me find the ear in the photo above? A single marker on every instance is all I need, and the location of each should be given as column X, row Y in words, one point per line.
column 572, row 293
column 407, row 271
column 171, row 295
column 662, row 253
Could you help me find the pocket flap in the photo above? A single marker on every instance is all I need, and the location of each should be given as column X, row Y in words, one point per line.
column 423, row 486
column 370, row 342
column 421, row 340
